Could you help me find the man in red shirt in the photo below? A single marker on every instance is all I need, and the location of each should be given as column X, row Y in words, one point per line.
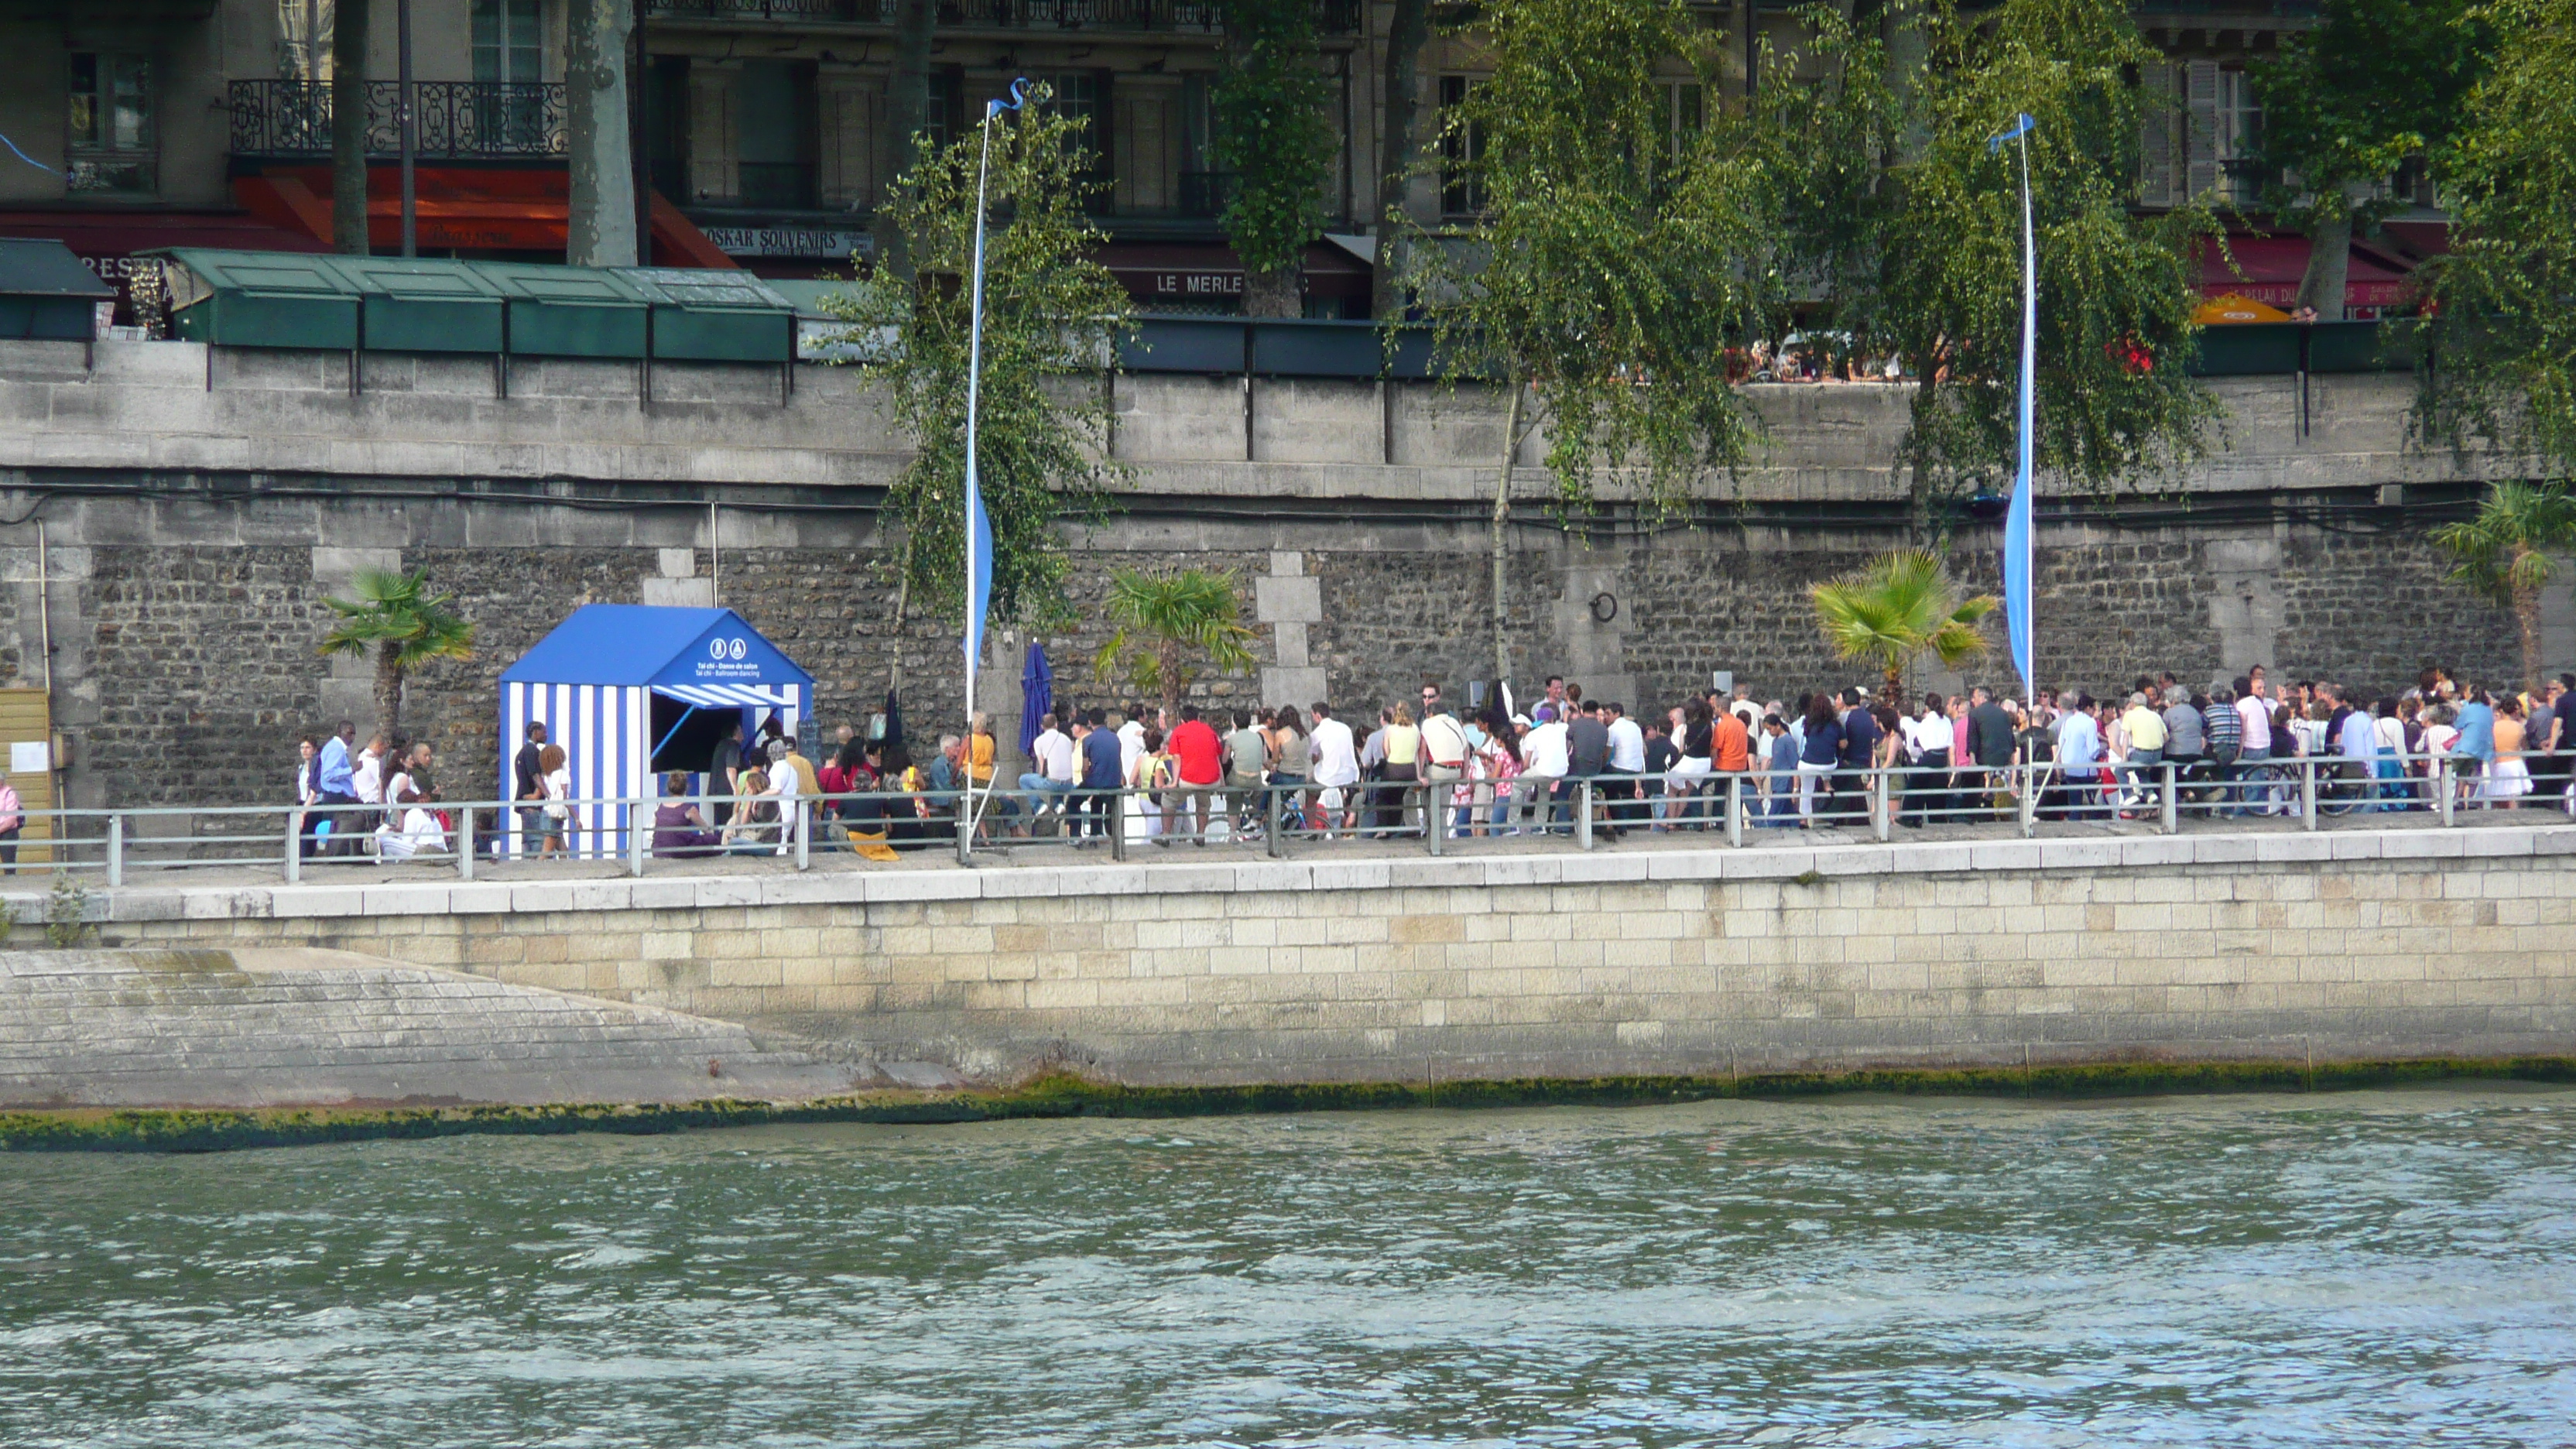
column 1199, row 756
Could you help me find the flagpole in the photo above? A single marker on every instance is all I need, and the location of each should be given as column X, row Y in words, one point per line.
column 978, row 532
column 969, row 816
column 2022, row 484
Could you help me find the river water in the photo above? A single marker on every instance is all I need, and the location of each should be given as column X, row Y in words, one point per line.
column 2387, row 1268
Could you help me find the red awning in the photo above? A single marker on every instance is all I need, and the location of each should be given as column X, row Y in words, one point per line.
column 500, row 209
column 1210, row 271
column 2272, row 267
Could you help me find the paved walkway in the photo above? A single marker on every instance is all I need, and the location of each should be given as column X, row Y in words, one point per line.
column 280, row 1028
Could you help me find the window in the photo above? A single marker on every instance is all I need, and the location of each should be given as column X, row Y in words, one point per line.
column 110, row 140
column 776, row 134
column 304, row 40
column 1078, row 97
column 2240, row 135
column 1462, row 193
column 508, row 43
column 1685, row 115
column 939, row 102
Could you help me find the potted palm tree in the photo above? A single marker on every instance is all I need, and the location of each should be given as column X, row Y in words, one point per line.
column 2503, row 554
column 1162, row 622
column 1898, row 608
column 406, row 625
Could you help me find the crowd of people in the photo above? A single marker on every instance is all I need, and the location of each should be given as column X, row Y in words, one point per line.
column 2233, row 749
column 1826, row 758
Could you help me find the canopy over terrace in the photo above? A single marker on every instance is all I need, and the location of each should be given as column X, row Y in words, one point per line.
column 633, row 690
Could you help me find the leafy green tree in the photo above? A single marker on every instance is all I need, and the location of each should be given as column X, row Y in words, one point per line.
column 2503, row 554
column 2346, row 104
column 1051, row 313
column 1606, row 279
column 1908, row 227
column 1164, row 623
column 1898, row 608
column 406, row 625
column 2504, row 334
column 1269, row 130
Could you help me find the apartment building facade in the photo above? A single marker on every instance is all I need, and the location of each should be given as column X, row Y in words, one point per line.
column 144, row 123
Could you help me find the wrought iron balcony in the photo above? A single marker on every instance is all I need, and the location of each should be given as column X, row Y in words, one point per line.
column 454, row 120
column 1202, row 17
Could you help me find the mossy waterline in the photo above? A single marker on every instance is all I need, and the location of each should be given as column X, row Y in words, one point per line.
column 1066, row 1095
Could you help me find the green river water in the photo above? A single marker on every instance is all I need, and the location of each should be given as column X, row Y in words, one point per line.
column 2369, row 1268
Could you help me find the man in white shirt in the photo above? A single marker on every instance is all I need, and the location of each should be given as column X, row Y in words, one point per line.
column 1627, row 757
column 1337, row 765
column 2254, row 714
column 1543, row 763
column 1051, row 783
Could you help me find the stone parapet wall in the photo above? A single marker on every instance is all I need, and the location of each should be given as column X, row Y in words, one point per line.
column 181, row 407
column 2273, row 947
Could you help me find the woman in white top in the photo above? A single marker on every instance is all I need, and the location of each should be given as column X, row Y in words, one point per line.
column 554, row 773
column 1927, row 749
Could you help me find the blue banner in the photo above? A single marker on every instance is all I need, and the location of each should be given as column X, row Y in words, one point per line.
column 2017, row 550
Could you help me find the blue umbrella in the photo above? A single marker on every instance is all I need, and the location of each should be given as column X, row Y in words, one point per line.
column 1037, row 696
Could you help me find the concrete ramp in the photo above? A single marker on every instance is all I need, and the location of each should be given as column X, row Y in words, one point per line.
column 294, row 1027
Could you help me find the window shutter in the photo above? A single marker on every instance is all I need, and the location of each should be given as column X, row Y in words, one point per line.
column 2201, row 103
column 2156, row 136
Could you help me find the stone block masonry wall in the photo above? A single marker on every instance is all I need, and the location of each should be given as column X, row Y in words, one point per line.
column 2201, row 948
column 188, row 668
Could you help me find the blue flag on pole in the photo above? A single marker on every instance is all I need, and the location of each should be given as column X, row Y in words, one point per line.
column 979, row 568
column 2017, row 529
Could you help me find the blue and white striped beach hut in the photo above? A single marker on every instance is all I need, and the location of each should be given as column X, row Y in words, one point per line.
column 633, row 690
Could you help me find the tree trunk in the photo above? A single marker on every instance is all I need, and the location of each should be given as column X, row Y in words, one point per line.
column 349, row 127
column 2526, row 617
column 907, row 113
column 1501, row 536
column 599, row 134
column 2329, row 261
column 903, row 598
column 389, row 687
column 1408, row 30
column 1274, row 293
column 1169, row 663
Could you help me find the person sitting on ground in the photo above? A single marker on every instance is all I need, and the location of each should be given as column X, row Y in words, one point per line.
column 419, row 832
column 679, row 831
column 754, row 827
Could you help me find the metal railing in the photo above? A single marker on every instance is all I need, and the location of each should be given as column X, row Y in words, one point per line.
column 2023, row 799
column 452, row 119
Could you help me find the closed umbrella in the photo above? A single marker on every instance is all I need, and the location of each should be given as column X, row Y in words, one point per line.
column 1037, row 696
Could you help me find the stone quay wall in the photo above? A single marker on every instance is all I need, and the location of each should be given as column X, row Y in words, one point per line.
column 171, row 519
column 2355, row 945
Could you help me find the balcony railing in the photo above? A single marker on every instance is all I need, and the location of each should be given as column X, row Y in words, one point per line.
column 1201, row 17
column 454, row 119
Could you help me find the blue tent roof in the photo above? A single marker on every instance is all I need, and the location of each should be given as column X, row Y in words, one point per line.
column 641, row 644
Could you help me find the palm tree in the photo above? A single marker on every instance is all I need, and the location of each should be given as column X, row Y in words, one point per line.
column 408, row 627
column 1162, row 620
column 2503, row 553
column 1898, row 608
